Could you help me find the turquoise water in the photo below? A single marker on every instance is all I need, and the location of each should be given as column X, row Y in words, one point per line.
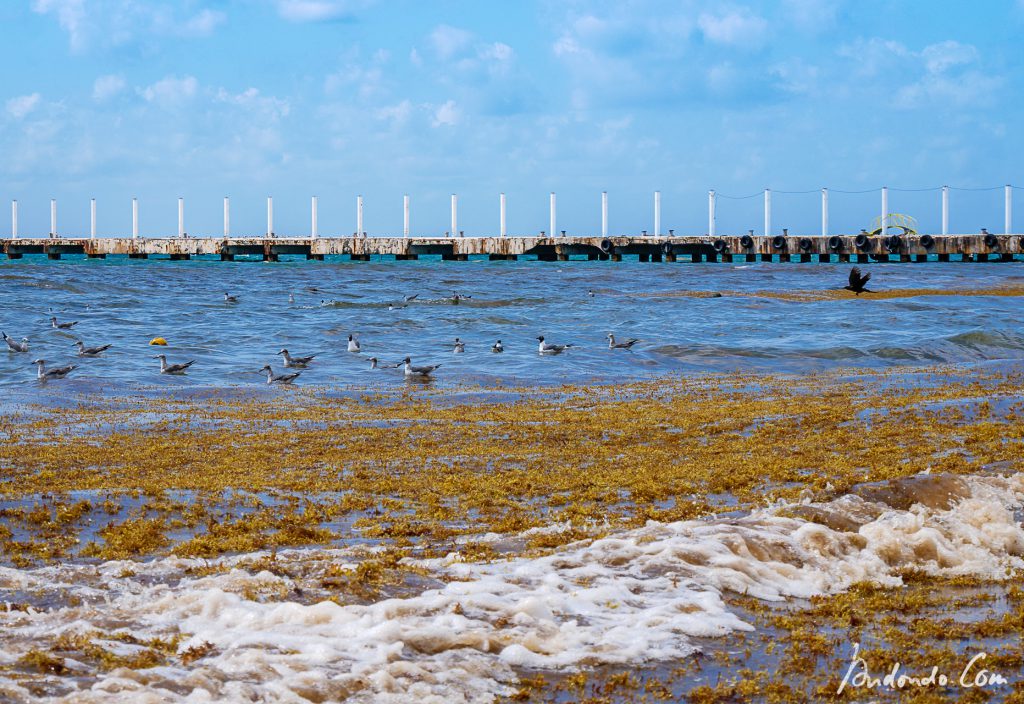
column 127, row 303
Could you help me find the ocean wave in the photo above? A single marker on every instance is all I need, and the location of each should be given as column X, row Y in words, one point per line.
column 635, row 596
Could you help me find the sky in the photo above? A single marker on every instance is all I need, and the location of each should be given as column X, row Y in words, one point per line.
column 201, row 99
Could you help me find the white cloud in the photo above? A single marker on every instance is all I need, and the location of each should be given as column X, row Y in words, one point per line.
column 396, row 114
column 314, row 10
column 22, row 105
column 812, row 15
column 940, row 57
column 447, row 115
column 106, row 87
column 254, row 102
column 736, row 27
column 497, row 52
column 448, row 41
column 70, row 14
column 171, row 91
column 203, row 23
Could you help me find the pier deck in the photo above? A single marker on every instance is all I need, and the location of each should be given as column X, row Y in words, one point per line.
column 843, row 248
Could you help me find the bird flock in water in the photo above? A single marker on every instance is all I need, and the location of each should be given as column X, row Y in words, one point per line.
column 857, row 283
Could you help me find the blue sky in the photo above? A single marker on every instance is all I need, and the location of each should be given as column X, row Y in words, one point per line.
column 205, row 98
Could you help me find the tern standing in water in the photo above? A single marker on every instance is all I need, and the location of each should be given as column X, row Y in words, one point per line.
column 353, row 344
column 273, row 378
column 166, row 368
column 14, row 345
column 548, row 348
column 84, row 351
column 295, row 362
column 421, row 372
column 44, row 374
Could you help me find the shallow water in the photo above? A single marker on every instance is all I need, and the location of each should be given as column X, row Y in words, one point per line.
column 129, row 302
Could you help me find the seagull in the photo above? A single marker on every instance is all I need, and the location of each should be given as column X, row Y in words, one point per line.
column 456, row 297
column 590, row 292
column 57, row 373
column 273, row 378
column 548, row 348
column 392, row 306
column 857, row 281
column 291, row 298
column 166, row 368
column 16, row 346
column 613, row 345
column 84, row 351
column 353, row 344
column 497, row 347
column 373, row 363
column 228, row 298
column 413, row 297
column 295, row 362
column 418, row 371
column 460, row 346
column 62, row 326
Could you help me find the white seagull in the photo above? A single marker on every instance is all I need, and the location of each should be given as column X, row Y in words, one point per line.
column 84, row 351
column 460, row 346
column 62, row 326
column 166, row 368
column 273, row 378
column 418, row 371
column 14, row 345
column 295, row 362
column 613, row 345
column 228, row 298
column 56, row 373
column 497, row 347
column 548, row 348
column 353, row 344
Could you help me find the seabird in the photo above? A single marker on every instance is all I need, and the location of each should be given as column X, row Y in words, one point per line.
column 273, row 378
column 373, row 363
column 460, row 346
column 497, row 347
column 16, row 346
column 413, row 297
column 57, row 373
column 857, row 281
column 613, row 345
column 590, row 292
column 228, row 298
column 548, row 348
column 456, row 297
column 166, row 368
column 84, row 351
column 392, row 306
column 291, row 298
column 62, row 326
column 353, row 344
column 418, row 371
column 295, row 362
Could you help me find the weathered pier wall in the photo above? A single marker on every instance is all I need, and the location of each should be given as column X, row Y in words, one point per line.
column 846, row 248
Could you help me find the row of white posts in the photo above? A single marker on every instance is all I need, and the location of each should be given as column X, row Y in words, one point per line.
column 712, row 203
column 1007, row 211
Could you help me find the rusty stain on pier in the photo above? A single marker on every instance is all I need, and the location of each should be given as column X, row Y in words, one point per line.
column 861, row 248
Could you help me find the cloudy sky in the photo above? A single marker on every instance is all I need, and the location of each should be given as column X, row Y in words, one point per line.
column 205, row 98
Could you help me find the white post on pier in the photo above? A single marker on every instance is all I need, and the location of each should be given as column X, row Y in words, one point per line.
column 767, row 212
column 945, row 210
column 313, row 231
column 359, row 216
column 1008, row 210
column 14, row 219
column 181, row 217
column 885, row 209
column 92, row 219
column 135, row 218
column 405, row 218
column 227, row 217
column 270, row 216
column 551, row 214
column 657, row 213
column 53, row 217
column 502, row 229
column 604, row 213
column 824, row 212
column 711, row 213
column 455, row 215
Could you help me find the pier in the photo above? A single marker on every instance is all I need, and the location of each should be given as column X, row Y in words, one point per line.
column 862, row 248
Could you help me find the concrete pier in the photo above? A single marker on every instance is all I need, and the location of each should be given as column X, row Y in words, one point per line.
column 864, row 247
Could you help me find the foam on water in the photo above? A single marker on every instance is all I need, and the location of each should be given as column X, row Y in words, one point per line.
column 635, row 596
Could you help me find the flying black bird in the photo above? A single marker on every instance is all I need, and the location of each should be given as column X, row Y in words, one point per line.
column 857, row 281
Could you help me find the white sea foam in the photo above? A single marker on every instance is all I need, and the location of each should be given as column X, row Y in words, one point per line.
column 633, row 597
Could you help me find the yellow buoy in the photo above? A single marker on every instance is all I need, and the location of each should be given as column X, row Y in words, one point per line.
column 158, row 341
